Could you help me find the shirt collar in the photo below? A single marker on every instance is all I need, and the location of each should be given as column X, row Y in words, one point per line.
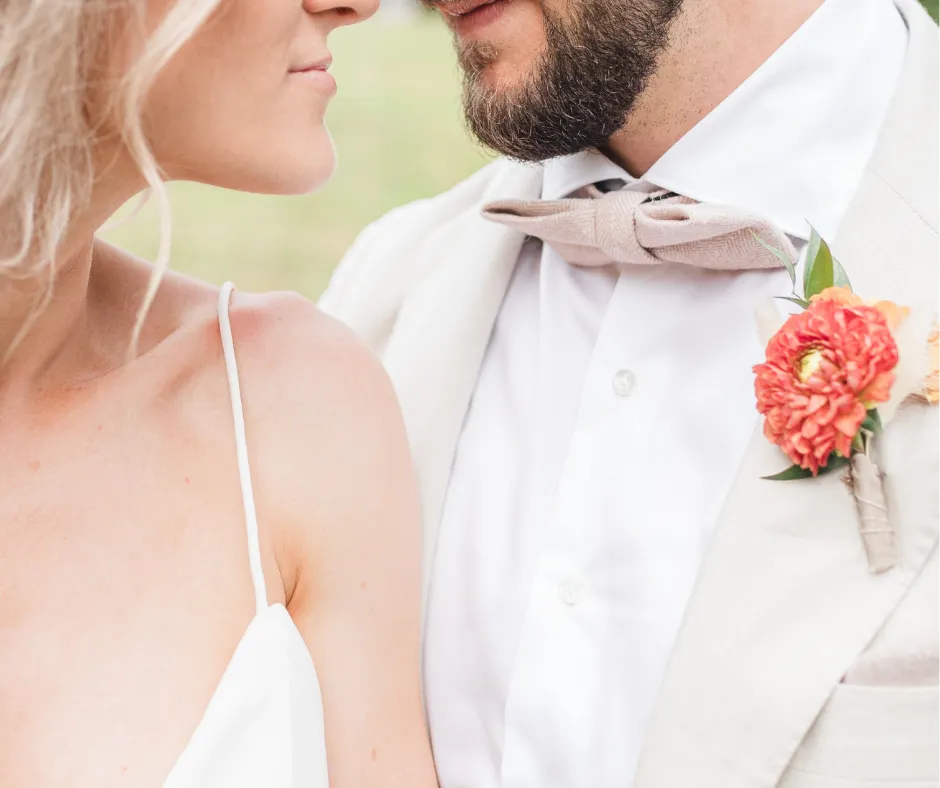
column 792, row 141
column 569, row 173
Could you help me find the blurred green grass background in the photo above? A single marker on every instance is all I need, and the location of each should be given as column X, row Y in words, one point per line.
column 398, row 130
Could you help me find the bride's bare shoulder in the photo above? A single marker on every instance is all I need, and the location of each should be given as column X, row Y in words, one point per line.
column 324, row 424
column 298, row 358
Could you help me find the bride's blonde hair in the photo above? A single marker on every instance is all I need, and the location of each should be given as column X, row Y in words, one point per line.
column 51, row 55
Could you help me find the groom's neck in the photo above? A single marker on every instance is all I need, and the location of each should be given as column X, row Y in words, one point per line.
column 714, row 46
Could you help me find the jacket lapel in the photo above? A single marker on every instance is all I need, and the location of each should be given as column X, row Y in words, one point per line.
column 785, row 601
column 442, row 331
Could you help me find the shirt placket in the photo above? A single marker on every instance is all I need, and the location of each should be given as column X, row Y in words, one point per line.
column 556, row 702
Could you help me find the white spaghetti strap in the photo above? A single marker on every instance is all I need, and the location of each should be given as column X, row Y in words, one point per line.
column 241, row 447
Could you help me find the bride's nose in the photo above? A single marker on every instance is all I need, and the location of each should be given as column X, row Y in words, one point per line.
column 342, row 12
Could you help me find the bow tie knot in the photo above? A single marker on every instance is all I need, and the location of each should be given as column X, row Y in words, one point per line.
column 636, row 228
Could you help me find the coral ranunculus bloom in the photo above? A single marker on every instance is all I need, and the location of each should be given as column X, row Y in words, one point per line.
column 825, row 369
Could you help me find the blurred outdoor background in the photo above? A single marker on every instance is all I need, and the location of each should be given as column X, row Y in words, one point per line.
column 397, row 126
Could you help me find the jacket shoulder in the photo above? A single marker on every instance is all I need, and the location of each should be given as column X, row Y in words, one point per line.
column 385, row 257
column 464, row 196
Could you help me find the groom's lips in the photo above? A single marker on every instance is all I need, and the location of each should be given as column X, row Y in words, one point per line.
column 466, row 16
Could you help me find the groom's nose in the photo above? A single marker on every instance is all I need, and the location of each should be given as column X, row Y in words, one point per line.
column 342, row 12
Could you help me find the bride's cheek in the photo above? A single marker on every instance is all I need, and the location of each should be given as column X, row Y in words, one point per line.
column 243, row 104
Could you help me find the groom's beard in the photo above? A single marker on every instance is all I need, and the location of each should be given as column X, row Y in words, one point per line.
column 595, row 65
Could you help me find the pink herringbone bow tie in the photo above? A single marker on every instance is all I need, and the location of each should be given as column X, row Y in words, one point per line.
column 629, row 227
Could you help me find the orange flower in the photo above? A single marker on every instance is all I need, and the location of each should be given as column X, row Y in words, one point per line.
column 825, row 369
column 844, row 296
column 841, row 295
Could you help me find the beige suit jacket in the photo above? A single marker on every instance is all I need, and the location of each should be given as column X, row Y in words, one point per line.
column 790, row 665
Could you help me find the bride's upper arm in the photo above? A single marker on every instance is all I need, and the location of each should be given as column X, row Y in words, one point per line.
column 337, row 482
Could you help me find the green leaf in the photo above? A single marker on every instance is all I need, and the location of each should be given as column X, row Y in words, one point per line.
column 795, row 472
column 821, row 269
column 782, row 256
column 839, row 276
column 836, row 461
column 819, row 272
column 812, row 250
column 794, row 300
column 858, row 442
column 791, row 473
column 872, row 422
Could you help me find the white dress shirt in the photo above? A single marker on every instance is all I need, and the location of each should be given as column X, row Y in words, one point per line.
column 609, row 418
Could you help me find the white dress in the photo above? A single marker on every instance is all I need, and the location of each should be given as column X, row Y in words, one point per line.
column 263, row 727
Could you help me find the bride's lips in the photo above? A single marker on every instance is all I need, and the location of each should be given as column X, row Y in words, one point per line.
column 469, row 16
column 317, row 74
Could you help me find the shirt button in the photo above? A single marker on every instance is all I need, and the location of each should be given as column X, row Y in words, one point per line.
column 624, row 383
column 571, row 591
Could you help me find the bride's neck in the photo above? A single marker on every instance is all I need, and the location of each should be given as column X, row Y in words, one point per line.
column 39, row 326
column 37, row 323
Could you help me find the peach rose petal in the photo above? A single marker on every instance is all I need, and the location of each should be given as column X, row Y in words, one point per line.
column 844, row 296
column 932, row 383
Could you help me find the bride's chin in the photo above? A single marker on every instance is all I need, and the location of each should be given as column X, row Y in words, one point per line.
column 322, row 163
column 324, row 166
column 302, row 171
column 279, row 166
column 313, row 182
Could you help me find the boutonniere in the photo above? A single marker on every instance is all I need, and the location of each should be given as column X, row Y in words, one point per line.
column 835, row 375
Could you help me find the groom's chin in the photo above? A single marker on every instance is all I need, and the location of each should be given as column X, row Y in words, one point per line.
column 500, row 44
